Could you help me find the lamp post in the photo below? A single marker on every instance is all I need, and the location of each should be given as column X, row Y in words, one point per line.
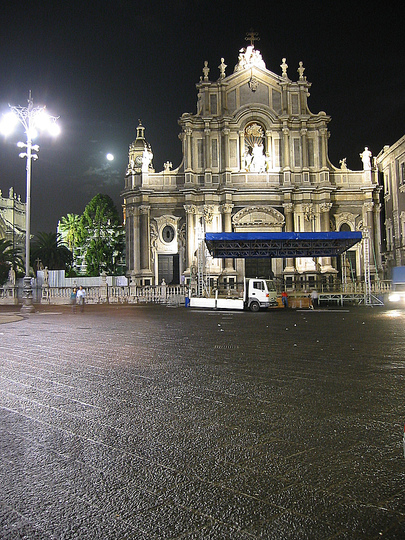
column 32, row 119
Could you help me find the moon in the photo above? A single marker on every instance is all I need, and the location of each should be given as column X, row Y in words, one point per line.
column 110, row 157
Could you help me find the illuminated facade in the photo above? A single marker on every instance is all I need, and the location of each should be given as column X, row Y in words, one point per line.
column 255, row 158
column 391, row 163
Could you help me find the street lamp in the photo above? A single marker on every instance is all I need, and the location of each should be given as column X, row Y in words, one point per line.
column 33, row 119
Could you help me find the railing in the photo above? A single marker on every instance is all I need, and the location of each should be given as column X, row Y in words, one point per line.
column 167, row 294
column 102, row 294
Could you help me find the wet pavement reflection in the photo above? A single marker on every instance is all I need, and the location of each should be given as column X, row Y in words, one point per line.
column 129, row 422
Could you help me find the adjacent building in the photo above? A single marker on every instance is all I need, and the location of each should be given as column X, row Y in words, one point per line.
column 255, row 159
column 12, row 220
column 391, row 163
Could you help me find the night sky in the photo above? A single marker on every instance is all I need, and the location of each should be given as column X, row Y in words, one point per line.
column 103, row 65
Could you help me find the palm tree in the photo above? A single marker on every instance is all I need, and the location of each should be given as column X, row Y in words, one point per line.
column 70, row 224
column 9, row 258
column 50, row 250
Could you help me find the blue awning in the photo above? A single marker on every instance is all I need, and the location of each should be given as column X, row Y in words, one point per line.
column 280, row 245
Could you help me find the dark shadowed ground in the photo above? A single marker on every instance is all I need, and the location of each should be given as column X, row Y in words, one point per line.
column 156, row 422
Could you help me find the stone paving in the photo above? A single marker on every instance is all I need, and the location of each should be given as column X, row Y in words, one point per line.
column 151, row 422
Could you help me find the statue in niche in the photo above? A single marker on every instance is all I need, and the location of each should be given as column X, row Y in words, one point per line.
column 258, row 163
column 247, row 160
column 366, row 159
column 254, row 157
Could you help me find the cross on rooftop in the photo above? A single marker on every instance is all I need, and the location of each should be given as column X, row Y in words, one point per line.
column 252, row 37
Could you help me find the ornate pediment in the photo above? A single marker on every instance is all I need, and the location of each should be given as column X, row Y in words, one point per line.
column 346, row 218
column 258, row 217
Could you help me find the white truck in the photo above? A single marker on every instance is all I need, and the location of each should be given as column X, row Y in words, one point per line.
column 257, row 293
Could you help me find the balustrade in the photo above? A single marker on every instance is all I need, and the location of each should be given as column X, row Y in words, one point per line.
column 159, row 294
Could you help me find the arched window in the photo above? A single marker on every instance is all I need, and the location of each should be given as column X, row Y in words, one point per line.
column 345, row 228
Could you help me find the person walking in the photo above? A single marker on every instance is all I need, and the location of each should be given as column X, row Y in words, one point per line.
column 73, row 299
column 284, row 299
column 81, row 296
column 314, row 299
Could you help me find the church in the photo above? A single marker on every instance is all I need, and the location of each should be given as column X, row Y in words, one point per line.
column 255, row 159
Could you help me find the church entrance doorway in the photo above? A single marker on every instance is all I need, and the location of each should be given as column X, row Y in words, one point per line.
column 168, row 269
column 255, row 268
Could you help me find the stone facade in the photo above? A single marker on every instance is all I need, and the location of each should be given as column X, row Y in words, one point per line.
column 391, row 163
column 255, row 158
column 12, row 220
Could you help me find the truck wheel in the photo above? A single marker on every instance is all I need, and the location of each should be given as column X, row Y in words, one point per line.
column 254, row 306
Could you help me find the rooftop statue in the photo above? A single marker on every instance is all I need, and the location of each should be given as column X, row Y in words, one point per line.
column 343, row 164
column 366, row 159
column 248, row 58
column 284, row 67
column 222, row 68
column 301, row 70
column 147, row 157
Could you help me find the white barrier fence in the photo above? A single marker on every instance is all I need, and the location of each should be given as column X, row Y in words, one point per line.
column 98, row 294
column 54, row 288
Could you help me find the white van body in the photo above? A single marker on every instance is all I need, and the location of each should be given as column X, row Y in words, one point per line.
column 257, row 293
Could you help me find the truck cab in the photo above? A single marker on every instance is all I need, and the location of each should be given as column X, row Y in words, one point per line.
column 259, row 293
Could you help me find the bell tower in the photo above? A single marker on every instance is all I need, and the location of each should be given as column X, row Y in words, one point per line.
column 140, row 153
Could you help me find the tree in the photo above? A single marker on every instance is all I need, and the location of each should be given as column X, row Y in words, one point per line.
column 49, row 249
column 71, row 226
column 9, row 258
column 101, row 236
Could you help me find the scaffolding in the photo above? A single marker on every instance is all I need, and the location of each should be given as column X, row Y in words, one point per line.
column 284, row 245
column 203, row 266
column 369, row 298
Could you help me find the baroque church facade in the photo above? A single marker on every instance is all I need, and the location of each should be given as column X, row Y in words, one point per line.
column 255, row 159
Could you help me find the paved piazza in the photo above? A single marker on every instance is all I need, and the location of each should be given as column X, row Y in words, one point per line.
column 162, row 422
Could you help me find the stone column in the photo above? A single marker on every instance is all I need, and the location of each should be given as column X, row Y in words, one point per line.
column 241, row 150
column 324, row 153
column 225, row 158
column 368, row 207
column 225, row 134
column 208, row 168
column 136, row 241
column 377, row 228
column 144, row 237
column 226, row 210
column 286, row 156
column 325, row 227
column 129, row 231
column 304, row 145
column 190, row 234
column 269, row 151
column 289, row 227
column 188, row 164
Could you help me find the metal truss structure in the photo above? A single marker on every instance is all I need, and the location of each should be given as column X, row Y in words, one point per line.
column 280, row 245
